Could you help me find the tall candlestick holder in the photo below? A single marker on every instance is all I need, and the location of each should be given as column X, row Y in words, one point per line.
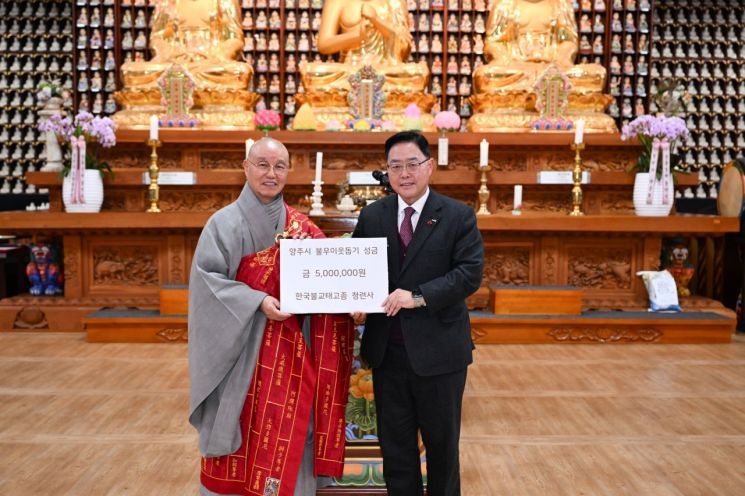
column 577, row 178
column 153, row 191
column 483, row 192
column 317, row 196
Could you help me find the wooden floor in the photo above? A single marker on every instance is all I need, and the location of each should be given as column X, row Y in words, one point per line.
column 97, row 419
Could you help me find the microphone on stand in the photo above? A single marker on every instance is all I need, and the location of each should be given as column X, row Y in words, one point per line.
column 382, row 178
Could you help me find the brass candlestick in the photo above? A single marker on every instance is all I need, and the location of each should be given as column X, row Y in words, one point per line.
column 153, row 191
column 483, row 192
column 577, row 178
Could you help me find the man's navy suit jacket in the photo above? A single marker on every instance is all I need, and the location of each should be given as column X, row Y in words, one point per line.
column 445, row 260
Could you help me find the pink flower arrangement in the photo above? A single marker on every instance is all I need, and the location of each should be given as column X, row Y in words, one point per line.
column 94, row 129
column 412, row 118
column 333, row 125
column 447, row 121
column 267, row 120
column 412, row 111
column 388, row 126
column 648, row 128
column 95, row 132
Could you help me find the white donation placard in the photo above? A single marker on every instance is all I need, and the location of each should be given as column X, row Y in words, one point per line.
column 334, row 275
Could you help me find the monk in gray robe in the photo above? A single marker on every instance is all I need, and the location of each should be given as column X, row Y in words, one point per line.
column 244, row 352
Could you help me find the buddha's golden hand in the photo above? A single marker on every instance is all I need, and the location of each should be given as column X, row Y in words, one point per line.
column 368, row 12
column 370, row 18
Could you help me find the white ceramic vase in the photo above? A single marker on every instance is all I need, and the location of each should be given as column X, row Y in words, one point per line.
column 656, row 208
column 92, row 193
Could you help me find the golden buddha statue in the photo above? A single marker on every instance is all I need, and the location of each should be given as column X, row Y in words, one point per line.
column 524, row 38
column 365, row 33
column 204, row 37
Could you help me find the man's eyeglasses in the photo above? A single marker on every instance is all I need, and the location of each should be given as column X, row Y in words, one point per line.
column 264, row 166
column 412, row 166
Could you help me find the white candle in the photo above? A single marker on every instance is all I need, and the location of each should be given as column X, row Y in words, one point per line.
column 579, row 131
column 442, row 151
column 319, row 161
column 249, row 144
column 518, row 198
column 484, row 156
column 153, row 128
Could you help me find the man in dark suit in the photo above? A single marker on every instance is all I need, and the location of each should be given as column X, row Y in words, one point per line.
column 420, row 347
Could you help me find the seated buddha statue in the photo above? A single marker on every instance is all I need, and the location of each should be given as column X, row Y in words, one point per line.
column 365, row 32
column 204, row 36
column 523, row 38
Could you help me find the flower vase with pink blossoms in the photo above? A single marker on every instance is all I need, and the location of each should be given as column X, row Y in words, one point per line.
column 85, row 136
column 653, row 185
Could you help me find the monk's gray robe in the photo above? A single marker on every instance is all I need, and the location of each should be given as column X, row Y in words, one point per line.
column 226, row 326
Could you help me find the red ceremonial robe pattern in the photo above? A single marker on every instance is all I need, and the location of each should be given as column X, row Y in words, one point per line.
column 289, row 383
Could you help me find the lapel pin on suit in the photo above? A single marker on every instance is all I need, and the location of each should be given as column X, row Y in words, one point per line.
column 431, row 222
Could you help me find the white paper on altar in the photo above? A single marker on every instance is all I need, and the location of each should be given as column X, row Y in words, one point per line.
column 560, row 177
column 172, row 178
column 333, row 275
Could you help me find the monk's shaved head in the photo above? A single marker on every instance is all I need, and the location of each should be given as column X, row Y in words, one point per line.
column 268, row 146
column 266, row 168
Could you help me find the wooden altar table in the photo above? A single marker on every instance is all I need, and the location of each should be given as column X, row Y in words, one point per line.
column 120, row 260
column 515, row 158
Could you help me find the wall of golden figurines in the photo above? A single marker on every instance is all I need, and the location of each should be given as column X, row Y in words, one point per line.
column 36, row 44
column 642, row 43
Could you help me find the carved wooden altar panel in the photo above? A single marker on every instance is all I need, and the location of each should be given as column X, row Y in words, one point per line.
column 605, row 267
column 121, row 259
column 468, row 195
column 652, row 249
column 201, row 200
column 137, row 155
column 216, row 159
column 503, row 159
column 551, row 201
column 511, row 262
column 599, row 268
column 73, row 263
column 120, row 200
column 127, row 265
column 611, row 202
column 549, row 260
column 178, row 272
column 191, row 241
column 220, row 158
